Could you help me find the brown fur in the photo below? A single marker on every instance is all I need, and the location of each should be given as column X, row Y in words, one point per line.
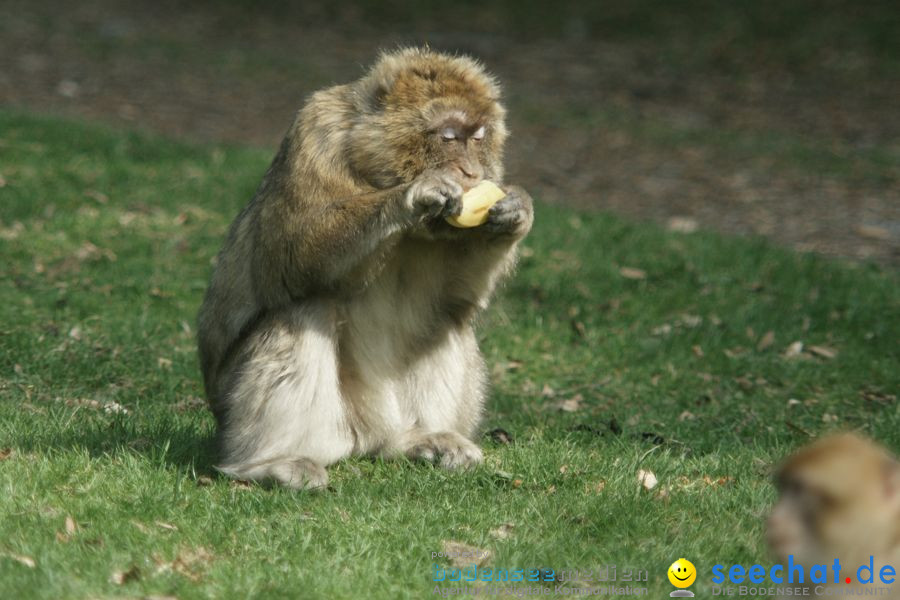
column 838, row 498
column 344, row 250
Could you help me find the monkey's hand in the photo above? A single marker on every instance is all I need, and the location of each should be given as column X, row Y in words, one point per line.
column 512, row 215
column 433, row 194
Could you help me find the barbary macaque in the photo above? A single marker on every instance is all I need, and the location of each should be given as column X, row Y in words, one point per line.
column 839, row 498
column 338, row 320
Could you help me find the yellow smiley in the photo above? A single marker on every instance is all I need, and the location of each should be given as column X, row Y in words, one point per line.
column 682, row 573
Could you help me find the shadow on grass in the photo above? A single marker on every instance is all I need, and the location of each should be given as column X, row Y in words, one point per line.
column 185, row 441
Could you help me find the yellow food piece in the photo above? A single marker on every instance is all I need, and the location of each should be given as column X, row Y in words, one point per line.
column 476, row 203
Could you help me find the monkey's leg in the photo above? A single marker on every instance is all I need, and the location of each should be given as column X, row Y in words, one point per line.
column 284, row 418
column 446, row 389
column 445, row 393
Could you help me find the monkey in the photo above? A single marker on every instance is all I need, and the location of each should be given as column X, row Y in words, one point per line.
column 839, row 498
column 339, row 317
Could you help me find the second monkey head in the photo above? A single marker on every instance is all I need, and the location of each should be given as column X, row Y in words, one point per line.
column 419, row 110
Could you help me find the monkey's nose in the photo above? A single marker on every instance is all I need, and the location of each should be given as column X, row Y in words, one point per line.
column 470, row 171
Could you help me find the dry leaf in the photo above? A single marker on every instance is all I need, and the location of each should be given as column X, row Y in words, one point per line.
column 745, row 383
column 158, row 293
column 551, row 489
column 874, row 232
column 697, row 350
column 71, row 526
column 829, row 418
column 563, row 469
column 164, row 363
column 189, row 403
column 647, row 479
column 878, row 397
column 682, row 224
column 141, row 527
column 517, row 483
column 25, row 560
column 664, row 329
column 794, row 350
column 114, row 408
column 767, row 340
column 579, row 328
column 632, row 273
column 687, row 416
column 100, row 197
column 690, row 321
column 190, row 563
column 502, row 532
column 123, row 577
column 570, row 405
column 204, row 480
column 5, row 453
column 718, row 481
column 83, row 402
column 823, row 351
column 167, row 526
column 597, row 487
column 500, row 436
column 463, row 555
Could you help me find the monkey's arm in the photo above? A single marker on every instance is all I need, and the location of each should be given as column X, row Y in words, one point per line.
column 481, row 256
column 338, row 242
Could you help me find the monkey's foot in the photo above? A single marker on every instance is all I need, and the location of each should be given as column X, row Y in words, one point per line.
column 449, row 449
column 296, row 473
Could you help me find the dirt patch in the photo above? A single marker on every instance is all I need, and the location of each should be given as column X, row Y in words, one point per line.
column 805, row 154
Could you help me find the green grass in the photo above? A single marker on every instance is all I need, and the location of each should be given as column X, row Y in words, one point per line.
column 106, row 241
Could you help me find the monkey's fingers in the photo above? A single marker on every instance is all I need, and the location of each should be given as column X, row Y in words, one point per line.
column 510, row 215
column 448, row 449
column 434, row 195
column 453, row 207
column 476, row 203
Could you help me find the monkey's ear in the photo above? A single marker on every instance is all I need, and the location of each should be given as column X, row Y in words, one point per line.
column 371, row 95
column 378, row 96
column 373, row 89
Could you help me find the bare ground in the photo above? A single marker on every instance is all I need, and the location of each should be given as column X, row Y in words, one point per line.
column 806, row 155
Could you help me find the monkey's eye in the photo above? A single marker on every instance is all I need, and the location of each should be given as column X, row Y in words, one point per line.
column 479, row 134
column 448, row 134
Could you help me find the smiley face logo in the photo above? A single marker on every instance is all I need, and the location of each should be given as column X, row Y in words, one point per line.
column 682, row 573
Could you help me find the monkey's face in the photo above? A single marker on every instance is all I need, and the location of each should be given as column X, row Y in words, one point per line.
column 455, row 141
column 794, row 526
column 435, row 112
column 839, row 498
